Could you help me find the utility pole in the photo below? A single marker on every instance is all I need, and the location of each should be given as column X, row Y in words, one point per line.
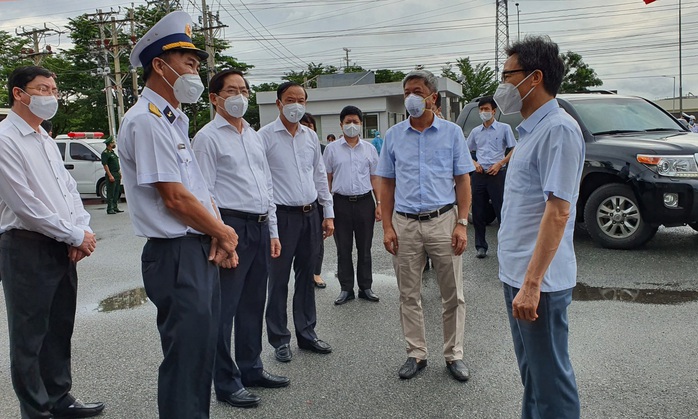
column 518, row 22
column 100, row 19
column 501, row 35
column 346, row 51
column 36, row 35
column 210, row 34
column 134, row 73
column 116, row 54
column 680, row 65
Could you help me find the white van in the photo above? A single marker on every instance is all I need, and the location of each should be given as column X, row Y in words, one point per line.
column 82, row 156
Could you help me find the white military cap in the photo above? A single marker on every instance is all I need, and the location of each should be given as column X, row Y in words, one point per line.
column 172, row 32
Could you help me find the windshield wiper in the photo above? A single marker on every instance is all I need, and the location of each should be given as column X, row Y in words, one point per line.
column 616, row 131
column 662, row 129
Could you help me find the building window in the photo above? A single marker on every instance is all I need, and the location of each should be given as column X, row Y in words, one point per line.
column 370, row 125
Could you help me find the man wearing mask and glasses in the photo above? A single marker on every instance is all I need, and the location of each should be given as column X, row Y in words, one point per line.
column 232, row 159
column 491, row 144
column 422, row 158
column 537, row 265
column 299, row 178
column 44, row 232
column 170, row 204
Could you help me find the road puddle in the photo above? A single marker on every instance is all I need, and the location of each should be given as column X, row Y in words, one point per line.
column 124, row 300
column 584, row 292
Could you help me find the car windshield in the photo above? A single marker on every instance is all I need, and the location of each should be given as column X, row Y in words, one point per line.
column 617, row 115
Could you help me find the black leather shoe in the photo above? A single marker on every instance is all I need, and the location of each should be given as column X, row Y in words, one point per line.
column 79, row 410
column 283, row 353
column 118, row 210
column 344, row 296
column 369, row 295
column 458, row 370
column 316, row 346
column 241, row 398
column 411, row 367
column 481, row 253
column 268, row 380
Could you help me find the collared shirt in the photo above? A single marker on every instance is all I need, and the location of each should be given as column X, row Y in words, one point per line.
column 235, row 168
column 547, row 160
column 423, row 164
column 490, row 143
column 154, row 147
column 111, row 160
column 351, row 167
column 296, row 165
column 36, row 191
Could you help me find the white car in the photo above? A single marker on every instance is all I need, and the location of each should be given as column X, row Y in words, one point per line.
column 82, row 156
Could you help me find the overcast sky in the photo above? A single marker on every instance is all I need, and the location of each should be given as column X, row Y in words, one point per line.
column 632, row 46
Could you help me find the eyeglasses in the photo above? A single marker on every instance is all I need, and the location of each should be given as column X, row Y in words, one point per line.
column 507, row 73
column 235, row 92
column 44, row 90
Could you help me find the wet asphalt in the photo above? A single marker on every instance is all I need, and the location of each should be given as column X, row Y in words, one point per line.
column 633, row 339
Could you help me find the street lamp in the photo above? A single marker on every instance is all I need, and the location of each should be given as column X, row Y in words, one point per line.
column 518, row 27
column 673, row 92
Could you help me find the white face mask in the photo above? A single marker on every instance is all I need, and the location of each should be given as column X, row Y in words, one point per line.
column 351, row 130
column 45, row 107
column 485, row 116
column 236, row 106
column 509, row 99
column 415, row 105
column 187, row 88
column 293, row 112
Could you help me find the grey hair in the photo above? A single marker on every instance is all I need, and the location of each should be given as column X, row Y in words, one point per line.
column 428, row 77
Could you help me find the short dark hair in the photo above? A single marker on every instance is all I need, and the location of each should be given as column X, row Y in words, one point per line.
column 22, row 76
column 540, row 53
column 285, row 86
column 437, row 102
column 351, row 110
column 487, row 100
column 148, row 69
column 331, row 135
column 218, row 80
column 47, row 125
column 308, row 119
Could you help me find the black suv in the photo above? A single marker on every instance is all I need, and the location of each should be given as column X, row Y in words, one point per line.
column 640, row 168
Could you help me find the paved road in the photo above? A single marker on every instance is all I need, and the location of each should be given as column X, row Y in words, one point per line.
column 632, row 359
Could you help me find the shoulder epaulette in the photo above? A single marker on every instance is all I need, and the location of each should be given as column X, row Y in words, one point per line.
column 154, row 110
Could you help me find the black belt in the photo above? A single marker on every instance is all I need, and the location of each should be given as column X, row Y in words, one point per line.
column 426, row 216
column 260, row 218
column 354, row 198
column 186, row 236
column 29, row 235
column 302, row 208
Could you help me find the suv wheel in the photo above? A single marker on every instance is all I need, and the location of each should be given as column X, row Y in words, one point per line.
column 613, row 218
column 102, row 189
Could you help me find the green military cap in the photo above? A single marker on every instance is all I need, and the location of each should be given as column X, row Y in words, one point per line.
column 108, row 140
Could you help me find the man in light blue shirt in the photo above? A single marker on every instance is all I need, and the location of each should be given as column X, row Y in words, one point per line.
column 492, row 144
column 537, row 262
column 421, row 160
column 299, row 178
column 233, row 162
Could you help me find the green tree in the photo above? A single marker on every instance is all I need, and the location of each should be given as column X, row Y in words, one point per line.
column 252, row 115
column 477, row 81
column 387, row 76
column 578, row 75
column 10, row 58
column 309, row 77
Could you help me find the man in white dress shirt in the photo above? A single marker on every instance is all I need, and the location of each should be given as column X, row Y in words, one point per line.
column 299, row 178
column 44, row 232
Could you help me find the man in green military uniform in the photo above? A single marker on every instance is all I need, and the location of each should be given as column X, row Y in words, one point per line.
column 110, row 161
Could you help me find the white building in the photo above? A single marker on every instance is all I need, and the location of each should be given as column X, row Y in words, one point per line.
column 381, row 103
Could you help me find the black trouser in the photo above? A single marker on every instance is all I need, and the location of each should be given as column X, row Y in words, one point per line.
column 300, row 234
column 243, row 293
column 40, row 285
column 485, row 188
column 184, row 286
column 354, row 217
column 321, row 252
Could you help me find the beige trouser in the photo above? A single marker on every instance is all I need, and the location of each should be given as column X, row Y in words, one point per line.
column 416, row 239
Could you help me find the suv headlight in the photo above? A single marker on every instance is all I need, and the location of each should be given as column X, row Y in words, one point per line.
column 672, row 166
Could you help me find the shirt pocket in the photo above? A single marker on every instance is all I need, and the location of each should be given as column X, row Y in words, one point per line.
column 307, row 159
column 184, row 158
column 518, row 178
column 442, row 161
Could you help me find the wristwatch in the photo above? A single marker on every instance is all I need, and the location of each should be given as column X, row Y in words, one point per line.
column 462, row 221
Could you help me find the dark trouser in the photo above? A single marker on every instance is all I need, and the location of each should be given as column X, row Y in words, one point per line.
column 550, row 389
column 40, row 285
column 321, row 252
column 300, row 235
column 243, row 293
column 184, row 286
column 484, row 188
column 354, row 218
column 113, row 192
